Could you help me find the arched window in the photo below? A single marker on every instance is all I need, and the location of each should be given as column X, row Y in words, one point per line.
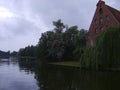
column 96, row 30
column 101, row 20
column 100, row 10
column 101, row 28
column 107, row 18
column 92, row 43
column 106, row 26
column 96, row 21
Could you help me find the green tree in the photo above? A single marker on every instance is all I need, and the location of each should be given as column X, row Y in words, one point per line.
column 80, row 44
column 45, row 50
column 29, row 51
column 59, row 26
column 70, row 37
column 60, row 44
column 105, row 52
column 108, row 48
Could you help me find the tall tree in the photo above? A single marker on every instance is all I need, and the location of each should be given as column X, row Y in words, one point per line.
column 60, row 44
column 45, row 50
column 59, row 26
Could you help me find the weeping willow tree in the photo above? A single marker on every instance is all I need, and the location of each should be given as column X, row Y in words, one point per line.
column 106, row 51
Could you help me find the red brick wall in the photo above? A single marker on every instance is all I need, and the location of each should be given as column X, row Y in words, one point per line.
column 108, row 21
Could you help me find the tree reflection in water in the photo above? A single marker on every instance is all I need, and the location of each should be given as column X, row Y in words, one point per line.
column 55, row 78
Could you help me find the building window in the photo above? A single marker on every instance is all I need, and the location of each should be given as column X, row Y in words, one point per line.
column 107, row 18
column 100, row 10
column 101, row 28
column 96, row 30
column 106, row 26
column 96, row 21
column 92, row 43
column 101, row 20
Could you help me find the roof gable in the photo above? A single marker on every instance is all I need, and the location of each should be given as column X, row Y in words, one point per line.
column 104, row 17
column 115, row 13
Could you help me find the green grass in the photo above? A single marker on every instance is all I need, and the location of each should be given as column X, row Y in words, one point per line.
column 76, row 64
column 68, row 63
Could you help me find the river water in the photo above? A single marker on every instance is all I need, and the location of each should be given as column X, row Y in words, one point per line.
column 15, row 76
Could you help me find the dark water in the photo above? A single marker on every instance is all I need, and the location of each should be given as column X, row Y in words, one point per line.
column 14, row 76
column 71, row 79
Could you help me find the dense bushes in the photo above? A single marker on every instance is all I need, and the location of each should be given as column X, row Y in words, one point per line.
column 106, row 51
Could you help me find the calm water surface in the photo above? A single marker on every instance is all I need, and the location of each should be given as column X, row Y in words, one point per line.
column 68, row 79
column 14, row 76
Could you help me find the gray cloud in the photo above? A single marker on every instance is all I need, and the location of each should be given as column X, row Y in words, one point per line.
column 15, row 26
column 72, row 13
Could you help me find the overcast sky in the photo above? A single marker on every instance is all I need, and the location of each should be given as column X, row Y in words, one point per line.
column 23, row 21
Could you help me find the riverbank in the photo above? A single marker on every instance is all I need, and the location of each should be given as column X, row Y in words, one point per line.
column 76, row 65
column 68, row 64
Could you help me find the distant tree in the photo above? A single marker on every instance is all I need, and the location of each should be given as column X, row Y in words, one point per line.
column 4, row 54
column 13, row 54
column 29, row 51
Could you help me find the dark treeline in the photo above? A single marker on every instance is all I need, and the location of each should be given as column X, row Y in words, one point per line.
column 14, row 54
column 28, row 51
column 4, row 54
column 7, row 54
column 27, row 57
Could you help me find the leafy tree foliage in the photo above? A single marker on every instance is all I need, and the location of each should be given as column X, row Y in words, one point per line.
column 105, row 53
column 45, row 47
column 4, row 54
column 28, row 51
column 62, row 44
column 59, row 26
column 14, row 54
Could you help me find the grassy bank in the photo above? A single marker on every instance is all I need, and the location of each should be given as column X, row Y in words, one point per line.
column 68, row 63
column 76, row 64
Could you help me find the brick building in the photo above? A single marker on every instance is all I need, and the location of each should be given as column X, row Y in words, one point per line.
column 104, row 17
